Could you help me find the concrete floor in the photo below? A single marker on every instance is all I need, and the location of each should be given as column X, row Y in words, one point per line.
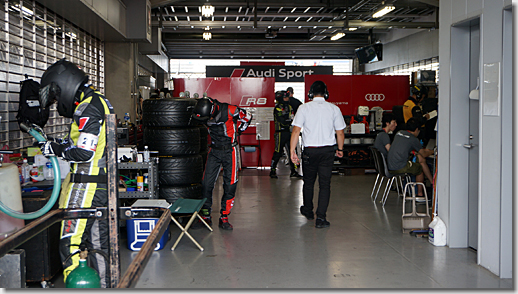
column 274, row 246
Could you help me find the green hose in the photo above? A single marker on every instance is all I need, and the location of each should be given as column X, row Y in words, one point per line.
column 55, row 193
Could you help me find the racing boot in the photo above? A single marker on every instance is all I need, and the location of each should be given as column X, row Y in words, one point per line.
column 224, row 224
column 273, row 173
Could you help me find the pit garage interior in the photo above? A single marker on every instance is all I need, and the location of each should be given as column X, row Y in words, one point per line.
column 131, row 47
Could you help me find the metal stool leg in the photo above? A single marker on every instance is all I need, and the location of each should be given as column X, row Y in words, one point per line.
column 375, row 183
column 387, row 190
column 377, row 192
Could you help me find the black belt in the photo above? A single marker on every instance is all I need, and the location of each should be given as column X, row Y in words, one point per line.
column 79, row 178
column 224, row 147
column 332, row 146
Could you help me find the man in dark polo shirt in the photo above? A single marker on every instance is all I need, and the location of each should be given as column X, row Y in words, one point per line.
column 403, row 149
column 382, row 142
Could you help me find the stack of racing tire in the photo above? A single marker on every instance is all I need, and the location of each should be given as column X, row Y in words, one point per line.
column 167, row 129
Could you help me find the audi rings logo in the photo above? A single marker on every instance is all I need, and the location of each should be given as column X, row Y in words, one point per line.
column 374, row 97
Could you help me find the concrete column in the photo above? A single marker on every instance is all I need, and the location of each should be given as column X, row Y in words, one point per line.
column 119, row 73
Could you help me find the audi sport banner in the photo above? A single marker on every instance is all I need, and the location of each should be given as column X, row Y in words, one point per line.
column 281, row 73
column 349, row 92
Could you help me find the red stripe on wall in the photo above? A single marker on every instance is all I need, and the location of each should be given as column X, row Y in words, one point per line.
column 237, row 72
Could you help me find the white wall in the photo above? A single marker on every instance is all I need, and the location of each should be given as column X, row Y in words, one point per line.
column 493, row 252
column 419, row 46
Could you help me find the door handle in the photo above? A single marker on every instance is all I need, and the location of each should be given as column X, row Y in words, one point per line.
column 468, row 146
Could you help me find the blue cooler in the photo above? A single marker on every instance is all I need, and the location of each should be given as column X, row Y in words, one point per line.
column 139, row 228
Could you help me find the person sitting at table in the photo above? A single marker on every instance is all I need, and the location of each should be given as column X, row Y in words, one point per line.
column 382, row 142
column 401, row 158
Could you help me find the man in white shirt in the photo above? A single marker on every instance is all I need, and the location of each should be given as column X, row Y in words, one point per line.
column 320, row 120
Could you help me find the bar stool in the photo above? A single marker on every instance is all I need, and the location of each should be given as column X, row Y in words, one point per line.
column 414, row 219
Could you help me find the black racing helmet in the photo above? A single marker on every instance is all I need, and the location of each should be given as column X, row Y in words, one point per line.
column 419, row 91
column 280, row 95
column 61, row 82
column 203, row 109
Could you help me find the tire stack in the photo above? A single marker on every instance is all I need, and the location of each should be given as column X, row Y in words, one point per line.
column 167, row 130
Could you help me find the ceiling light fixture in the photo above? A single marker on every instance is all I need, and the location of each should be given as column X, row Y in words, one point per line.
column 207, row 35
column 337, row 36
column 383, row 11
column 207, row 10
column 352, row 29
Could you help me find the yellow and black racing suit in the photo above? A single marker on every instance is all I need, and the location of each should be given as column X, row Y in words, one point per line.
column 84, row 148
column 283, row 114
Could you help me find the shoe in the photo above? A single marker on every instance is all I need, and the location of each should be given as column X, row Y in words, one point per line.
column 295, row 174
column 308, row 215
column 224, row 224
column 321, row 223
column 273, row 174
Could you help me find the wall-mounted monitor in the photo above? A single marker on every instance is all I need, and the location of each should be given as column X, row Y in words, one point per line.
column 370, row 53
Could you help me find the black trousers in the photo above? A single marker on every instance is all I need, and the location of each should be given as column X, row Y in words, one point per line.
column 228, row 159
column 317, row 161
column 281, row 139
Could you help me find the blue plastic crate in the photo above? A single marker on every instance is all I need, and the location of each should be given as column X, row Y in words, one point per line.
column 138, row 231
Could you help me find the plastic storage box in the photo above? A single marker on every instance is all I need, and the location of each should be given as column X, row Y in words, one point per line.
column 138, row 231
column 139, row 228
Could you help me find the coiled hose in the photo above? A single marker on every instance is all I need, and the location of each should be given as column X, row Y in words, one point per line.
column 57, row 183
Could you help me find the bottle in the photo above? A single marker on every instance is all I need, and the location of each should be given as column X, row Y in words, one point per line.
column 140, row 183
column 127, row 119
column 34, row 173
column 26, row 174
column 134, row 154
column 146, row 154
column 48, row 172
column 146, row 185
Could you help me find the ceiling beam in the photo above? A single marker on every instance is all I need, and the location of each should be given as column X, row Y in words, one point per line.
column 430, row 2
column 304, row 24
column 287, row 14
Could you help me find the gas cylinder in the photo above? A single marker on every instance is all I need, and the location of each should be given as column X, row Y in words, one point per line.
column 83, row 276
column 11, row 196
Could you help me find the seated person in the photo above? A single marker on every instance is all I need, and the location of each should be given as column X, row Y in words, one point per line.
column 382, row 142
column 400, row 154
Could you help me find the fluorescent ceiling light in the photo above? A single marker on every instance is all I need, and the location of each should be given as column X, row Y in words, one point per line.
column 337, row 36
column 207, row 36
column 352, row 29
column 383, row 11
column 207, row 10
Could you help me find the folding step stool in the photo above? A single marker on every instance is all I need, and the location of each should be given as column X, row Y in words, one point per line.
column 187, row 207
column 415, row 220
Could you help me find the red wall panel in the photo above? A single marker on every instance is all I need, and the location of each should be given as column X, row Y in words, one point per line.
column 349, row 92
column 243, row 92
